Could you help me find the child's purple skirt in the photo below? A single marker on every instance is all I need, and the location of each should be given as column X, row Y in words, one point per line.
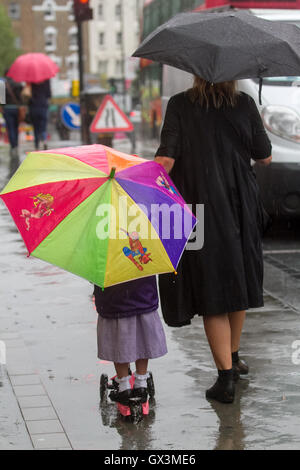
column 128, row 339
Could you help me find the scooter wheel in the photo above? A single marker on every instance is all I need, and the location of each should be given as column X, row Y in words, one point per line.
column 136, row 410
column 103, row 386
column 150, row 385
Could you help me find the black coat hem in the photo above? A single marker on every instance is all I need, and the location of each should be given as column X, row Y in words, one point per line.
column 188, row 321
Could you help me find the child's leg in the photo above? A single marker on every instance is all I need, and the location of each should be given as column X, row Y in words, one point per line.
column 141, row 366
column 123, row 379
column 141, row 375
column 121, row 369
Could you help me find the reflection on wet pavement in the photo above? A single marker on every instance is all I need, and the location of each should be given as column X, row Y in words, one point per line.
column 266, row 411
column 133, row 436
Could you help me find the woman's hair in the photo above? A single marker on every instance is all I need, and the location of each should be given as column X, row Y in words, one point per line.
column 216, row 94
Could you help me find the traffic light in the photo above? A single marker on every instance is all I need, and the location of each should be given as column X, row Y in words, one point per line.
column 82, row 10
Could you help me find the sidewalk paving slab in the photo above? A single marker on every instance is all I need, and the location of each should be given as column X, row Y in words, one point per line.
column 49, row 441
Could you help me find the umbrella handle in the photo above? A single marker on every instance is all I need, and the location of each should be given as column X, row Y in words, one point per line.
column 112, row 172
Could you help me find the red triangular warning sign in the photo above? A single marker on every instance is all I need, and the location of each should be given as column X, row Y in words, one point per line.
column 110, row 118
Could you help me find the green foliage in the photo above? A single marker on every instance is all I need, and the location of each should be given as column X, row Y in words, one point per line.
column 8, row 51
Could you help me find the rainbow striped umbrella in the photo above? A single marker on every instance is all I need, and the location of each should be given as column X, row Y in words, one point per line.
column 101, row 214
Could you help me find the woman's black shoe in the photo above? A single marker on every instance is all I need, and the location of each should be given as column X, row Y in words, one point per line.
column 240, row 366
column 121, row 397
column 236, row 374
column 141, row 393
column 223, row 390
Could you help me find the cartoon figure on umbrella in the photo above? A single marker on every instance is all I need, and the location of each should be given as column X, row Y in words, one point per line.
column 136, row 249
column 163, row 182
column 42, row 206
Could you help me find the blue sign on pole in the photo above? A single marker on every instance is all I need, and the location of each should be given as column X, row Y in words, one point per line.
column 70, row 116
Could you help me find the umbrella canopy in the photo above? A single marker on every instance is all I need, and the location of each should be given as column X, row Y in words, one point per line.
column 33, row 67
column 225, row 46
column 97, row 213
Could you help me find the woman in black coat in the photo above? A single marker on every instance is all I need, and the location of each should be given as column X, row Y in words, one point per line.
column 210, row 134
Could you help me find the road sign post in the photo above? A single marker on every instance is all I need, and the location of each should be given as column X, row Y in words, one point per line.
column 82, row 12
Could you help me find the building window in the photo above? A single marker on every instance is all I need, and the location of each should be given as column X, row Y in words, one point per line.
column 50, row 34
column 14, row 11
column 71, row 12
column 119, row 39
column 100, row 11
column 72, row 66
column 56, row 59
column 73, row 40
column 49, row 14
column 118, row 10
column 101, row 39
column 102, row 67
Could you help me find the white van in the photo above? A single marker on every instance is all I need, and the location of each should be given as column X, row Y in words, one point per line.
column 280, row 110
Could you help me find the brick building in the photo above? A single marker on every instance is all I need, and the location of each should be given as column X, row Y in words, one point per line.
column 48, row 26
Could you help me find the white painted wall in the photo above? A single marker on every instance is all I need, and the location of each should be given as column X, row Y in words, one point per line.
column 110, row 53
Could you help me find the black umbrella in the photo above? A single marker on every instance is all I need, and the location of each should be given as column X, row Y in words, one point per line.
column 225, row 46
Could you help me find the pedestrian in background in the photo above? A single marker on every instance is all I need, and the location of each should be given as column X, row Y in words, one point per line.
column 38, row 108
column 210, row 134
column 11, row 114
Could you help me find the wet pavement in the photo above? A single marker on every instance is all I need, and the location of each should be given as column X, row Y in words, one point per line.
column 50, row 393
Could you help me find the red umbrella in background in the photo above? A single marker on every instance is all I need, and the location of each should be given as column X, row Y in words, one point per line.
column 33, row 67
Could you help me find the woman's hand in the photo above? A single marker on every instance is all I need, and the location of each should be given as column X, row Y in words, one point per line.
column 166, row 162
column 265, row 161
